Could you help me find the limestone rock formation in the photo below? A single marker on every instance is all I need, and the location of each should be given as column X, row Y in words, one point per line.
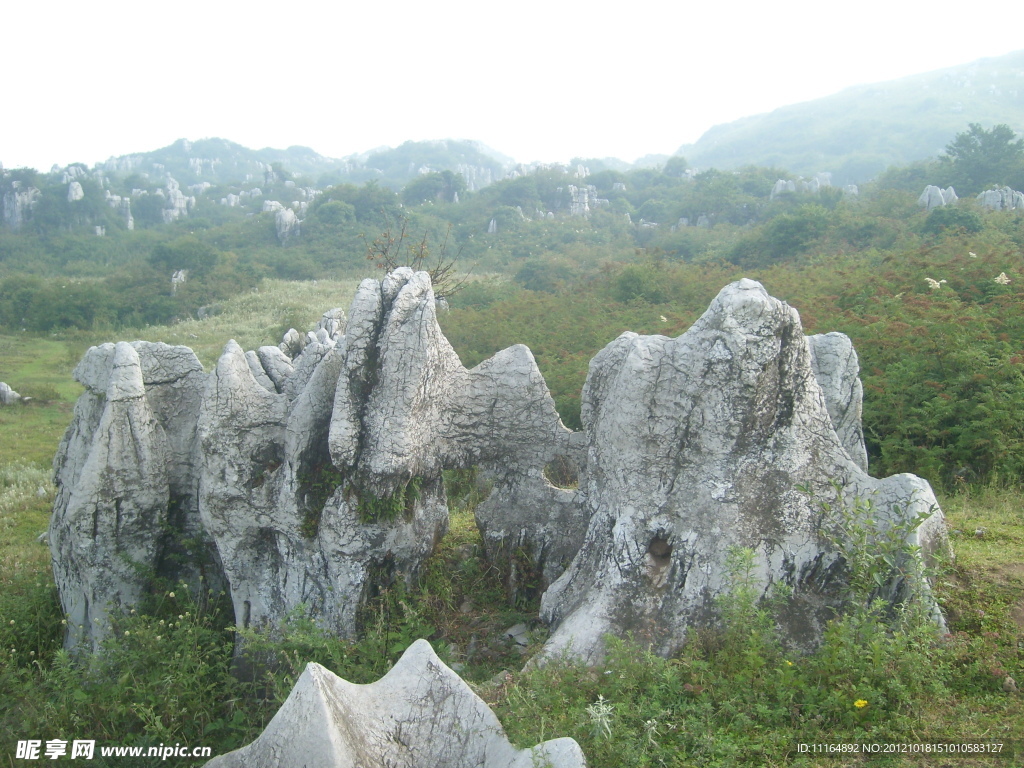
column 419, row 715
column 7, row 395
column 837, row 371
column 697, row 445
column 178, row 204
column 326, row 485
column 125, row 457
column 286, row 224
column 1002, row 199
column 579, row 200
column 75, row 191
column 934, row 197
column 314, row 468
column 18, row 203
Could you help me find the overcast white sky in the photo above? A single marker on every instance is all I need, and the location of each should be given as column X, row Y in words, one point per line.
column 537, row 80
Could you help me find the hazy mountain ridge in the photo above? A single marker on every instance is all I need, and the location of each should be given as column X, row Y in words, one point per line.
column 222, row 162
column 860, row 131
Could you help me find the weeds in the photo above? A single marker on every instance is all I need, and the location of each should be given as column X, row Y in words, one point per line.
column 732, row 697
column 385, row 509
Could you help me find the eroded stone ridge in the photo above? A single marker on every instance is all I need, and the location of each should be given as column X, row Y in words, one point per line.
column 697, row 445
column 124, row 458
column 314, row 469
column 420, row 714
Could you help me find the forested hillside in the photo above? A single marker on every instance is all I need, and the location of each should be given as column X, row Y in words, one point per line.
column 857, row 133
column 565, row 258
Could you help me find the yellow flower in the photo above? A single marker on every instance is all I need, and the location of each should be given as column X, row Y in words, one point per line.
column 789, row 663
column 860, row 703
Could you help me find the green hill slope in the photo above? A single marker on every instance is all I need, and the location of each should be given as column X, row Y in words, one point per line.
column 860, row 131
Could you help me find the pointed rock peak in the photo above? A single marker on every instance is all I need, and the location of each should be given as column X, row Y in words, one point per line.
column 395, row 281
column 397, row 720
column 125, row 381
column 93, row 370
column 746, row 306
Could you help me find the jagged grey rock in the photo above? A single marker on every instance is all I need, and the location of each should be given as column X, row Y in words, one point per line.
column 258, row 373
column 276, row 364
column 287, row 224
column 420, row 715
column 698, row 445
column 316, row 468
column 329, row 485
column 292, row 343
column 7, row 395
column 934, row 197
column 178, row 204
column 18, row 204
column 125, row 476
column 1001, row 199
column 333, row 322
column 112, row 501
column 835, row 366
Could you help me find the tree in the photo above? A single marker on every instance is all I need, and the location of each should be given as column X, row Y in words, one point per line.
column 676, row 167
column 442, row 186
column 977, row 159
column 184, row 253
column 394, row 248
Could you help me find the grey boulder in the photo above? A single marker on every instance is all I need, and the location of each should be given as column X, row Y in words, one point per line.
column 419, row 715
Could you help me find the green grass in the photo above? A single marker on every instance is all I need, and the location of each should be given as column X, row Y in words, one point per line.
column 39, row 369
column 255, row 319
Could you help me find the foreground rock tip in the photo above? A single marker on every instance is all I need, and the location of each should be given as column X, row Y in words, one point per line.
column 421, row 714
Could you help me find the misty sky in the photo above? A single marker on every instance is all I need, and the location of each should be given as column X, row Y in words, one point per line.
column 539, row 81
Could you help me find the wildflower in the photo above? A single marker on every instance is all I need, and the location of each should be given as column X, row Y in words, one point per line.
column 789, row 663
column 1002, row 279
column 860, row 703
column 663, row 318
column 170, row 594
column 972, row 254
column 934, row 284
column 12, row 622
column 126, row 633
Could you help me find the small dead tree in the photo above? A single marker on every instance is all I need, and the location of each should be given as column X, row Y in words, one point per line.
column 394, row 248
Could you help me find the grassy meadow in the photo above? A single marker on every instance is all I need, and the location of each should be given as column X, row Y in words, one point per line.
column 732, row 698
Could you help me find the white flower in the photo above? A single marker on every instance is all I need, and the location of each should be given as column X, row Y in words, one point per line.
column 1002, row 279
column 972, row 254
column 663, row 318
column 934, row 284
